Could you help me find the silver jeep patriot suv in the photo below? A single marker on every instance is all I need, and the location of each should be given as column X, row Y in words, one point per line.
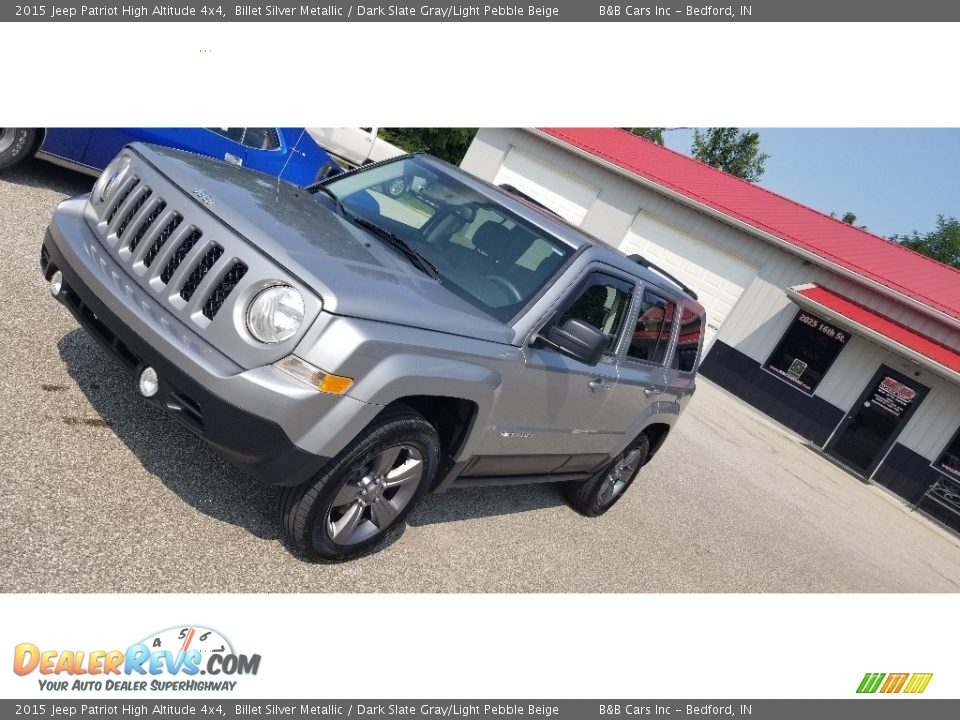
column 395, row 330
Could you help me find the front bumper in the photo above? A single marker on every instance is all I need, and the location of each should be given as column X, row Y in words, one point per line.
column 199, row 387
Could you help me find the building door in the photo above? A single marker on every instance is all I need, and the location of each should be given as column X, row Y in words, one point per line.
column 872, row 425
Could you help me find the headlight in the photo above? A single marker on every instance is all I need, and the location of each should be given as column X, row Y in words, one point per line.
column 275, row 314
column 111, row 178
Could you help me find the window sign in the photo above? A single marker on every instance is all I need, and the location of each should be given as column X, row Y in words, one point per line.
column 892, row 396
column 949, row 461
column 806, row 351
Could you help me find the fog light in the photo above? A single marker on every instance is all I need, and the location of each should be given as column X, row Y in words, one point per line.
column 149, row 383
column 56, row 282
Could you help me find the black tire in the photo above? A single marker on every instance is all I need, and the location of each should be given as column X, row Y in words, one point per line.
column 593, row 497
column 16, row 145
column 308, row 512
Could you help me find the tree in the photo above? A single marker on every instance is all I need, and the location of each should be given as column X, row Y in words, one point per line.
column 731, row 149
column 849, row 218
column 942, row 243
column 653, row 134
column 448, row 144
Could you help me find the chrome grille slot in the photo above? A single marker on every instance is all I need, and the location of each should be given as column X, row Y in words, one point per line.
column 138, row 203
column 121, row 199
column 162, row 238
column 223, row 289
column 147, row 222
column 199, row 272
column 185, row 247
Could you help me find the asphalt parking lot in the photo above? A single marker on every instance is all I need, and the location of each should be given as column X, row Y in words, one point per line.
column 102, row 493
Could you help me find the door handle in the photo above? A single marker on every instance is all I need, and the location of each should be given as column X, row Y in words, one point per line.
column 651, row 391
column 598, row 384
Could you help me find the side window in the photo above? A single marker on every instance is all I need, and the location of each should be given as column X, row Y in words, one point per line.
column 261, row 138
column 688, row 342
column 235, row 134
column 651, row 336
column 603, row 304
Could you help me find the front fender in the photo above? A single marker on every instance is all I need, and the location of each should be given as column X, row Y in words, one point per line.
column 389, row 362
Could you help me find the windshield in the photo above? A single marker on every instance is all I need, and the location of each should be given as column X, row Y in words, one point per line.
column 482, row 252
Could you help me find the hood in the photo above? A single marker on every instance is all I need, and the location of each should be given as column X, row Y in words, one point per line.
column 351, row 270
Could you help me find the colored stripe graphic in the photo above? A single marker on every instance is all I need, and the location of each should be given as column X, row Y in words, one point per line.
column 918, row 683
column 894, row 682
column 870, row 682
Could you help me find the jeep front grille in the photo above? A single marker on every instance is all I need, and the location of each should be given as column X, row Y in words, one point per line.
column 141, row 200
column 170, row 255
column 200, row 271
column 229, row 281
column 162, row 238
column 183, row 249
column 151, row 218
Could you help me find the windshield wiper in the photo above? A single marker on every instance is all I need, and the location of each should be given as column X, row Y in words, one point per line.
column 400, row 244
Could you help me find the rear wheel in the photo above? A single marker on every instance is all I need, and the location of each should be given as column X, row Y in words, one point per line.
column 361, row 499
column 16, row 145
column 595, row 496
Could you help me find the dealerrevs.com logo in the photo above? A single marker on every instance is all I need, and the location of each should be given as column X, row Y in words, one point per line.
column 911, row 683
column 172, row 659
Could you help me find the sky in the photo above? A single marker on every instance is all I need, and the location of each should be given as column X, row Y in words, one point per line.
column 893, row 180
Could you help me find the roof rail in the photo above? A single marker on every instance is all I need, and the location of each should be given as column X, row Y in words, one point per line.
column 640, row 259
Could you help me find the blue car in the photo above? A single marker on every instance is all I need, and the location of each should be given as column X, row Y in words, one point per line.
column 289, row 153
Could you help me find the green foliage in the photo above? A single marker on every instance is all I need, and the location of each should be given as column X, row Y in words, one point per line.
column 942, row 243
column 731, row 149
column 849, row 218
column 654, row 134
column 448, row 144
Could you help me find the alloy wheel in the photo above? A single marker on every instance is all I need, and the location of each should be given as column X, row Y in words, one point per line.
column 368, row 504
column 619, row 475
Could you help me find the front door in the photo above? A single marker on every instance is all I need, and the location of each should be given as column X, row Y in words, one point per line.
column 871, row 426
column 555, row 410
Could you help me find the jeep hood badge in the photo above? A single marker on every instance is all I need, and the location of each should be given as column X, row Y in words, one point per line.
column 203, row 196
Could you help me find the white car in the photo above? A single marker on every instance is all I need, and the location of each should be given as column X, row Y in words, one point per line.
column 358, row 146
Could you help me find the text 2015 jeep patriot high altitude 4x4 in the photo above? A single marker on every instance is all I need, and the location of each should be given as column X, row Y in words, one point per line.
column 361, row 347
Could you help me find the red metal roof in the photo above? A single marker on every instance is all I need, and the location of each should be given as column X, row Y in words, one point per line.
column 901, row 334
column 906, row 272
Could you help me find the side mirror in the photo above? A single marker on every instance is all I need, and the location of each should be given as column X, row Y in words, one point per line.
column 577, row 339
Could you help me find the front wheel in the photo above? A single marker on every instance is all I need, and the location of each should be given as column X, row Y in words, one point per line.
column 595, row 496
column 16, row 145
column 363, row 496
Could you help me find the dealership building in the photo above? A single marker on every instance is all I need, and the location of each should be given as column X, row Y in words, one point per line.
column 849, row 339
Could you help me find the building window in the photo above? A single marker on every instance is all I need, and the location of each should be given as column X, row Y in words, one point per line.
column 949, row 461
column 651, row 336
column 806, row 351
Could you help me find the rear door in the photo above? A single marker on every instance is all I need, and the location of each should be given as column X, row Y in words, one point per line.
column 644, row 372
